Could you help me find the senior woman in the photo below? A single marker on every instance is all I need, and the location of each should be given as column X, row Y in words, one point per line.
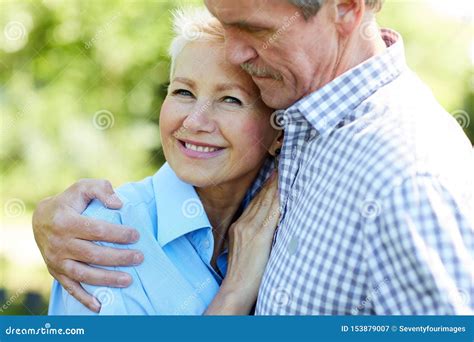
column 203, row 255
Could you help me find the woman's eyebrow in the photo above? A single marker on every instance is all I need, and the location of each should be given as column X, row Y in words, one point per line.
column 185, row 80
column 231, row 86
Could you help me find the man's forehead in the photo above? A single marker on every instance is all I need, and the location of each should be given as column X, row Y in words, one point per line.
column 235, row 8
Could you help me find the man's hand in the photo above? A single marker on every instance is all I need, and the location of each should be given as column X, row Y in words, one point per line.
column 64, row 238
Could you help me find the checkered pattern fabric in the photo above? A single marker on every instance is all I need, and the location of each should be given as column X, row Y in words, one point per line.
column 376, row 197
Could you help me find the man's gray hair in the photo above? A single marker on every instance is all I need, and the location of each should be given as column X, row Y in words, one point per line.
column 311, row 7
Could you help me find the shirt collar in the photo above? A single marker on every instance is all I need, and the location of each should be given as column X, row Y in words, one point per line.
column 179, row 209
column 328, row 106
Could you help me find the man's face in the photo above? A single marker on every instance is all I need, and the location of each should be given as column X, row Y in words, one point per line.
column 287, row 56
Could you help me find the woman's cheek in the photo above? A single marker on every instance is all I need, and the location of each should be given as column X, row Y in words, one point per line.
column 164, row 116
column 257, row 130
column 252, row 136
column 170, row 120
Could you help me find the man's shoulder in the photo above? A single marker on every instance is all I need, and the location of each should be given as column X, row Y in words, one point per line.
column 402, row 131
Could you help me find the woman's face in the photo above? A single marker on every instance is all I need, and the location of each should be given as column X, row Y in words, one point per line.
column 214, row 127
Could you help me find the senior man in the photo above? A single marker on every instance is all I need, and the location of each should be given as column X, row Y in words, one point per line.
column 377, row 213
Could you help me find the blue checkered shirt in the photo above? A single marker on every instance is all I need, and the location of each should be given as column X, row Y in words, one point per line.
column 376, row 199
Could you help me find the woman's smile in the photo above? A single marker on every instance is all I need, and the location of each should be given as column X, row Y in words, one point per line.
column 199, row 150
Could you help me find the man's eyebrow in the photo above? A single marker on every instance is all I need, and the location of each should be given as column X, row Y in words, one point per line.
column 184, row 80
column 231, row 86
column 242, row 24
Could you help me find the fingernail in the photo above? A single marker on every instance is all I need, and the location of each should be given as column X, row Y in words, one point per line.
column 124, row 280
column 272, row 177
column 134, row 236
column 138, row 258
column 114, row 198
column 96, row 305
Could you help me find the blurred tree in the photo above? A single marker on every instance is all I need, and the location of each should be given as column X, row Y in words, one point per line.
column 82, row 83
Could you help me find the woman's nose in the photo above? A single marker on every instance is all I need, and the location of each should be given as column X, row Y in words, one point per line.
column 198, row 120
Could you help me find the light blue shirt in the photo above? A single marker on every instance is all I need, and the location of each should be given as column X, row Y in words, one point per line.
column 176, row 277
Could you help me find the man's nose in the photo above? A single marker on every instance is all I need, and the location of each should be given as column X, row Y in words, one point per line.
column 199, row 119
column 237, row 50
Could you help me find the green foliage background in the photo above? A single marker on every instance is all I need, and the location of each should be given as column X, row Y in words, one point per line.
column 75, row 59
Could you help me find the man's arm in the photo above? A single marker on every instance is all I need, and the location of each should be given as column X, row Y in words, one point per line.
column 420, row 251
column 65, row 239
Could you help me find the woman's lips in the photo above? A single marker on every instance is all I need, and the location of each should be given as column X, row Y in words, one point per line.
column 199, row 150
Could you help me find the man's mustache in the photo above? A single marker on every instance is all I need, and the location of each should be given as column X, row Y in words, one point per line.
column 260, row 72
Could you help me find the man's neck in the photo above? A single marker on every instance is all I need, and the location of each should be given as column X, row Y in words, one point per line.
column 359, row 47
column 363, row 45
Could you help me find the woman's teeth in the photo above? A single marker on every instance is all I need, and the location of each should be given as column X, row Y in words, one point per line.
column 200, row 148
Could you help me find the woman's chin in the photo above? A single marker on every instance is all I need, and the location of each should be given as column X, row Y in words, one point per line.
column 197, row 178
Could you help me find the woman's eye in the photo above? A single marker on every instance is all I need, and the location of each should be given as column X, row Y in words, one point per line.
column 231, row 99
column 182, row 92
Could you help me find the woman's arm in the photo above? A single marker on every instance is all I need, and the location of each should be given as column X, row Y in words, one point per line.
column 250, row 241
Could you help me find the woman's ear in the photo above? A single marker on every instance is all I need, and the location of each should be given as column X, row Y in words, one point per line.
column 277, row 142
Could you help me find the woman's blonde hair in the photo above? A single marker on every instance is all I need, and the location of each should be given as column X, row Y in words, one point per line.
column 193, row 24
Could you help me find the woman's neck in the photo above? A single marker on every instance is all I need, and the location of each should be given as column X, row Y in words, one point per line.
column 221, row 203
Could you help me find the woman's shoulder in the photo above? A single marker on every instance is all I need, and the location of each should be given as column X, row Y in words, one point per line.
column 137, row 199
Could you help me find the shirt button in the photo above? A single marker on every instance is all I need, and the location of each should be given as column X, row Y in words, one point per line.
column 206, row 244
column 311, row 135
column 293, row 154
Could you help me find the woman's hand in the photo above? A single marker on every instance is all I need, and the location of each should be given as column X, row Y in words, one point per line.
column 250, row 241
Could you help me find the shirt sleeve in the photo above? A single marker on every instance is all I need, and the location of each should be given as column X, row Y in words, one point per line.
column 420, row 249
column 113, row 300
